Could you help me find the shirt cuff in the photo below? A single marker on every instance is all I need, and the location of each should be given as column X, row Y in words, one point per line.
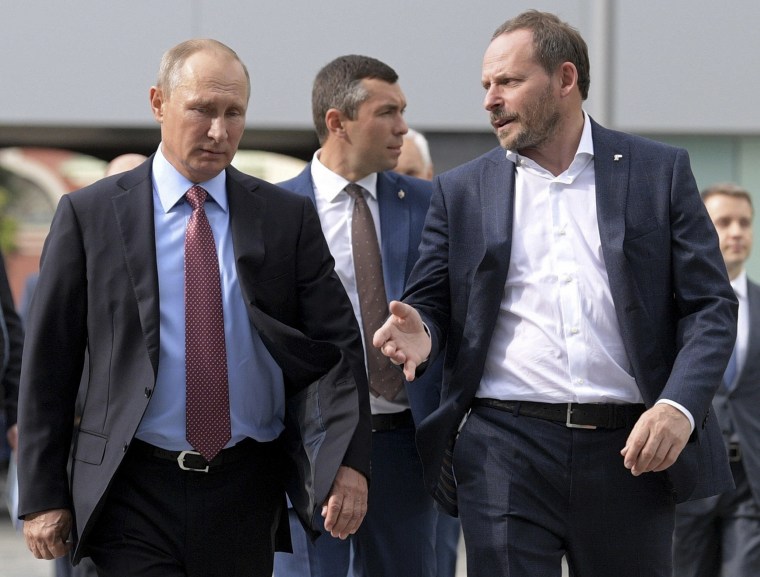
column 680, row 408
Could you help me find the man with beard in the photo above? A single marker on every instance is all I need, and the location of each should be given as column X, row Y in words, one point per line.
column 575, row 288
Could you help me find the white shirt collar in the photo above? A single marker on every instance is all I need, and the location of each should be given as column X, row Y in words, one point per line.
column 328, row 184
column 582, row 157
column 739, row 284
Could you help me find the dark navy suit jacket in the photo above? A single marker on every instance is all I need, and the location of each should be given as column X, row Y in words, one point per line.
column 740, row 406
column 674, row 305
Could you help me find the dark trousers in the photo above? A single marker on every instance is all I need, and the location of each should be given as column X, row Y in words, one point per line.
column 531, row 491
column 161, row 521
column 719, row 536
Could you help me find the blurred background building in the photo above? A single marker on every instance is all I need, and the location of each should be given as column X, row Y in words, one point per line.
column 75, row 79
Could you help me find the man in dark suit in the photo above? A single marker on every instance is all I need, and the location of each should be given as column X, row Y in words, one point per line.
column 172, row 475
column 358, row 111
column 720, row 535
column 575, row 285
column 11, row 345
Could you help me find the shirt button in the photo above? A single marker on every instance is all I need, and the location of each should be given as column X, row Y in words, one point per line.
column 574, row 331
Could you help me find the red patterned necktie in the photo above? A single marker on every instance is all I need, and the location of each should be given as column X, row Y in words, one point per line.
column 384, row 378
column 208, row 402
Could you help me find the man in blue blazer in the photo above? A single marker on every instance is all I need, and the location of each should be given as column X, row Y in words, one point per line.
column 720, row 535
column 358, row 112
column 575, row 287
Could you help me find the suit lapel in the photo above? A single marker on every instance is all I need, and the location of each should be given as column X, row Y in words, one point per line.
column 394, row 227
column 134, row 215
column 301, row 184
column 612, row 168
column 247, row 209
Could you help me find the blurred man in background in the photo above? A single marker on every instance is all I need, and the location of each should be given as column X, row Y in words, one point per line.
column 720, row 535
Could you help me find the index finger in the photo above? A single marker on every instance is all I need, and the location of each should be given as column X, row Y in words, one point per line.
column 635, row 443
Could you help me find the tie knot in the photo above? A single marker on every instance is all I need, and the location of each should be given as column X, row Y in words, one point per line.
column 196, row 196
column 355, row 191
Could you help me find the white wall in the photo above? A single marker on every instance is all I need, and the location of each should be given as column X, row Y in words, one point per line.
column 675, row 66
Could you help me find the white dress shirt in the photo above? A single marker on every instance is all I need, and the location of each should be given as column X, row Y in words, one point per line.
column 557, row 339
column 335, row 208
column 739, row 284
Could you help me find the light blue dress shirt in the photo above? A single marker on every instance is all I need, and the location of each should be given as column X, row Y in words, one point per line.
column 257, row 393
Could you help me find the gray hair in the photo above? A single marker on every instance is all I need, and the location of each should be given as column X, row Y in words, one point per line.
column 422, row 145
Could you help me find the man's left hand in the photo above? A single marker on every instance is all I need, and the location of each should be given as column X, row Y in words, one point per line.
column 657, row 438
column 347, row 503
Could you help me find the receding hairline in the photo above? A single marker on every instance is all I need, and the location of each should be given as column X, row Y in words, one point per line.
column 174, row 59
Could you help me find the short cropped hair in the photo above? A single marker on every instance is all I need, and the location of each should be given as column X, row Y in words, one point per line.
column 169, row 72
column 338, row 85
column 728, row 189
column 554, row 42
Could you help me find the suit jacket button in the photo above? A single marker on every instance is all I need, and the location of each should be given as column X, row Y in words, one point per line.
column 125, row 447
column 148, row 392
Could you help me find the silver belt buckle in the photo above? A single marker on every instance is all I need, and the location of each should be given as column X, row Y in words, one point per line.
column 181, row 462
column 572, row 425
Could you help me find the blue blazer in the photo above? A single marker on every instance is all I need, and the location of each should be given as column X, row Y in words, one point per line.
column 674, row 305
column 403, row 203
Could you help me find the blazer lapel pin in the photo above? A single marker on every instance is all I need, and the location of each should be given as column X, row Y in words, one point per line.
column 617, row 157
column 401, row 194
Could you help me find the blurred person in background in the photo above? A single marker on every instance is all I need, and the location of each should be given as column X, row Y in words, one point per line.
column 124, row 162
column 11, row 346
column 720, row 536
column 415, row 159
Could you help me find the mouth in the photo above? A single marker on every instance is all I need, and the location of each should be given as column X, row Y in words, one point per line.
column 500, row 120
column 213, row 153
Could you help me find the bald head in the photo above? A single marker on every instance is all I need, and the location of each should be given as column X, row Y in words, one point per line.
column 415, row 157
column 124, row 162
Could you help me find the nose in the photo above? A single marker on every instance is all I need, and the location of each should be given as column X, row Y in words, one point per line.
column 402, row 127
column 217, row 131
column 492, row 98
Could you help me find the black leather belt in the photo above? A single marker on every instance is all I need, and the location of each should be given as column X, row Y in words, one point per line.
column 192, row 460
column 392, row 421
column 574, row 415
column 734, row 452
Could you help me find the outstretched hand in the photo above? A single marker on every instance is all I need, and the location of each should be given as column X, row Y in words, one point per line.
column 403, row 338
